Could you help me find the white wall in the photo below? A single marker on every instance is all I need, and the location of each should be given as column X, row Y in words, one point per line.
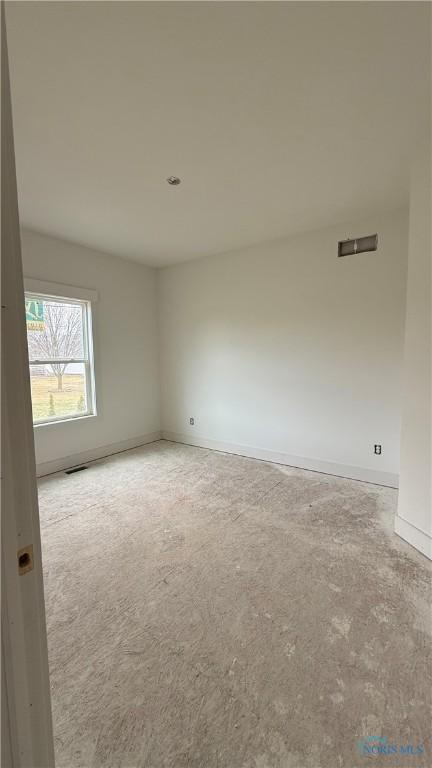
column 280, row 350
column 125, row 345
column 283, row 347
column 414, row 520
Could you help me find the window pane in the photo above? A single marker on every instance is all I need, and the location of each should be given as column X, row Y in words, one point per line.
column 58, row 391
column 54, row 329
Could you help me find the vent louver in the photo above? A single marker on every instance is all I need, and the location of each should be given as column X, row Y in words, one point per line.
column 75, row 469
column 358, row 245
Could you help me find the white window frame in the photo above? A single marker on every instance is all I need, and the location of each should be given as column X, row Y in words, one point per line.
column 62, row 294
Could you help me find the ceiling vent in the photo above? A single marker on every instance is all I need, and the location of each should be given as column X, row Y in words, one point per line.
column 358, row 245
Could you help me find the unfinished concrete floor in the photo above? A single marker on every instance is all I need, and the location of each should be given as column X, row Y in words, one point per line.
column 211, row 611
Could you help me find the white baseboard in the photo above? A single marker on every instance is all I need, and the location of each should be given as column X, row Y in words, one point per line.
column 414, row 536
column 67, row 462
column 316, row 465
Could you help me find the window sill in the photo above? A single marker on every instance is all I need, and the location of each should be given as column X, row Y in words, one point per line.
column 67, row 420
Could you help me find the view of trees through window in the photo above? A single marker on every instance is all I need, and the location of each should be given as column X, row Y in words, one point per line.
column 58, row 358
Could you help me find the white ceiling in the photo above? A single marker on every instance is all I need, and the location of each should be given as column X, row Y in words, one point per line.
column 278, row 117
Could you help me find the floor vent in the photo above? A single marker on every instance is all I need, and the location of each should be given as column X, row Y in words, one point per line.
column 358, row 245
column 75, row 469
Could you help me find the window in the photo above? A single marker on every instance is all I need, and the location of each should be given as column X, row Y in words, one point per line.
column 60, row 356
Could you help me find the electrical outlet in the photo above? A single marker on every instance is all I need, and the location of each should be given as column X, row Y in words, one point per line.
column 191, row 421
column 377, row 450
